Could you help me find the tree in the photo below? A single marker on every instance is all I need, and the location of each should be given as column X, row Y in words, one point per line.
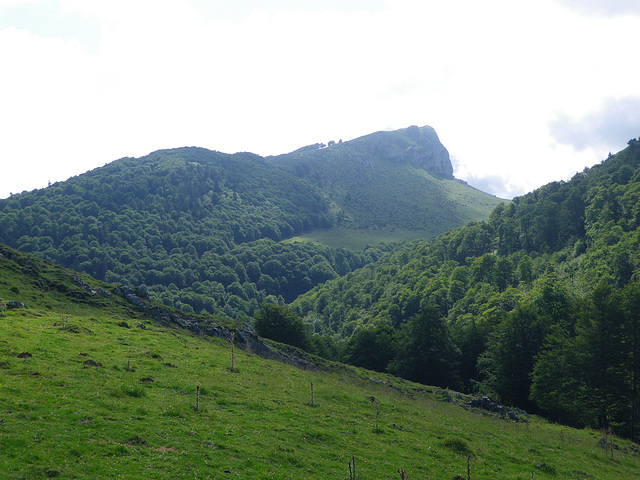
column 426, row 352
column 509, row 359
column 482, row 269
column 471, row 340
column 371, row 348
column 503, row 273
column 584, row 380
column 556, row 387
column 281, row 325
column 631, row 331
column 552, row 299
column 525, row 269
column 602, row 356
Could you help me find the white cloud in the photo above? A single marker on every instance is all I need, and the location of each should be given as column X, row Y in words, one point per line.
column 612, row 124
column 47, row 96
column 269, row 77
column 604, row 7
column 11, row 3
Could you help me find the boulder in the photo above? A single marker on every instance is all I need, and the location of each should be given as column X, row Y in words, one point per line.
column 485, row 403
column 14, row 304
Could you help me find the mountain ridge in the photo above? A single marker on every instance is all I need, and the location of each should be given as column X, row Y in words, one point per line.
column 201, row 229
column 418, row 146
column 538, row 305
column 425, row 198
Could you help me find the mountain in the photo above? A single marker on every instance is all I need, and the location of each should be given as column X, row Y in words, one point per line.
column 93, row 387
column 419, row 147
column 205, row 231
column 389, row 185
column 537, row 306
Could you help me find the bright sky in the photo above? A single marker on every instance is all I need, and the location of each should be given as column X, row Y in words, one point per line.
column 520, row 92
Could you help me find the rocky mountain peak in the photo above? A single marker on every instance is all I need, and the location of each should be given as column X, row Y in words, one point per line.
column 418, row 146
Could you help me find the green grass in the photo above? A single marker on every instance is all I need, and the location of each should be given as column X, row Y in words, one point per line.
column 62, row 419
column 396, row 203
column 465, row 204
column 357, row 239
column 101, row 401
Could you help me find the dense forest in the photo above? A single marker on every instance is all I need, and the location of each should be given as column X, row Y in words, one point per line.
column 537, row 306
column 208, row 232
column 198, row 229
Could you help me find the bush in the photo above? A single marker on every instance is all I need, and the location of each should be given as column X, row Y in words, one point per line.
column 457, row 445
column 281, row 325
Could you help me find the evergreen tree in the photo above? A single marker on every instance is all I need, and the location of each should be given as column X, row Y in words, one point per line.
column 602, row 359
column 371, row 348
column 426, row 352
column 556, row 387
column 509, row 359
column 280, row 324
column 631, row 331
column 471, row 341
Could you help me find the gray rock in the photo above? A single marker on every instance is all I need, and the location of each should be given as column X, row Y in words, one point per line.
column 418, row 146
column 142, row 292
column 14, row 304
column 134, row 299
column 485, row 403
column 123, row 291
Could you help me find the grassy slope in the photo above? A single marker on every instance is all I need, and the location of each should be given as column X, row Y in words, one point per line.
column 60, row 419
column 398, row 203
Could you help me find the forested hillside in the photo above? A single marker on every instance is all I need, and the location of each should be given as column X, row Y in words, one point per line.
column 390, row 184
column 538, row 306
column 198, row 228
column 203, row 231
column 99, row 383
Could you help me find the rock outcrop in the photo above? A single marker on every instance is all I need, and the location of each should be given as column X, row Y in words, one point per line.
column 245, row 337
column 484, row 403
column 418, row 146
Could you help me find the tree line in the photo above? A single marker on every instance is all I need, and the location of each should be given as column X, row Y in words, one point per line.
column 199, row 230
column 537, row 303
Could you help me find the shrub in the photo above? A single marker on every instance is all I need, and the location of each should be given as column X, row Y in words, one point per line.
column 282, row 325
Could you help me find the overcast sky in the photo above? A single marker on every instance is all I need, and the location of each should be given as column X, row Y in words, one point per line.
column 520, row 92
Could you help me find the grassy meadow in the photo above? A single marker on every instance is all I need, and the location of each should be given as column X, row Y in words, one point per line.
column 90, row 388
column 356, row 239
column 402, row 217
column 96, row 399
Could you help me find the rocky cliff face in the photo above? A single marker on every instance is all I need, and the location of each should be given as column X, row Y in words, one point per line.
column 418, row 146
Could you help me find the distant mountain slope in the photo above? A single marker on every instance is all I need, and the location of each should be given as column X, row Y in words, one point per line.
column 588, row 229
column 195, row 226
column 391, row 180
column 536, row 300
column 200, row 228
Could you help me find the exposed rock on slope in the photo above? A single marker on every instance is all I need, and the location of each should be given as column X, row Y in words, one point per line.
column 418, row 146
column 245, row 336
